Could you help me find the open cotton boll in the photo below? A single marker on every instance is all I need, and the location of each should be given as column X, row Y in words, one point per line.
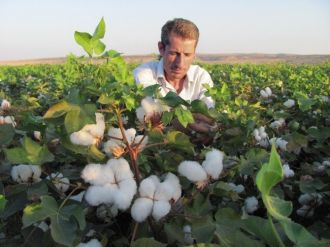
column 5, row 105
column 95, row 194
column 115, row 132
column 289, row 103
column 96, row 130
column 263, row 94
column 21, row 173
column 92, row 243
column 277, row 123
column 251, row 204
column 268, row 91
column 82, row 138
column 124, row 195
column 141, row 209
column 287, row 171
column 137, row 140
column 37, row 135
column 120, row 168
column 160, row 209
column 36, row 173
column 97, row 174
column 130, row 135
column 175, row 185
column 281, row 143
column 169, row 189
column 237, row 188
column 192, row 170
column 148, row 186
column 140, row 113
column 9, row 120
column 59, row 181
column 213, row 163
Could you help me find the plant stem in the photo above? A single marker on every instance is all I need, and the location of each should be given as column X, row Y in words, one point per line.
column 134, row 232
column 278, row 238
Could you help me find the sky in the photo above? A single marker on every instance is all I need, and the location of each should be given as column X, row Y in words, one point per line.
column 31, row 29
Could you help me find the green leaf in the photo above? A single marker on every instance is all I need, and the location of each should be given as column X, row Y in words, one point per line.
column 83, row 39
column 100, row 30
column 174, row 232
column 79, row 116
column 129, row 102
column 7, row 133
column 203, row 229
column 58, row 110
column 185, row 117
column 98, row 47
column 173, row 100
column 311, row 186
column 151, row 90
column 199, row 106
column 150, row 242
column 179, row 140
column 3, row 202
column 304, row 102
column 63, row 230
column 270, row 174
column 167, row 117
column 277, row 207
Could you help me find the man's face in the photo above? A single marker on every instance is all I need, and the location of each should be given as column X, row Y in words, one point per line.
column 177, row 56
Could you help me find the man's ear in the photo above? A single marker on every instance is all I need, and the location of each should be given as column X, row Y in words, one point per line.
column 161, row 48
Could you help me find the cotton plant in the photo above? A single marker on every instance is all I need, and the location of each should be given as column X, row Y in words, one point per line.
column 289, row 103
column 211, row 168
column 155, row 197
column 90, row 134
column 279, row 143
column 309, row 202
column 5, row 105
column 59, row 181
column 277, row 124
column 26, row 173
column 116, row 145
column 112, row 183
column 261, row 136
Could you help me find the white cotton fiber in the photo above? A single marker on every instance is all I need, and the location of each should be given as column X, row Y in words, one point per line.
column 82, row 138
column 192, row 170
column 213, row 163
column 140, row 113
column 141, row 209
column 95, row 195
column 120, row 168
column 148, row 186
column 97, row 174
column 160, row 209
column 92, row 243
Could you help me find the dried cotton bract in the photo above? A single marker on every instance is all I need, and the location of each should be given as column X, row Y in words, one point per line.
column 112, row 183
column 26, row 173
column 155, row 197
column 211, row 167
column 90, row 134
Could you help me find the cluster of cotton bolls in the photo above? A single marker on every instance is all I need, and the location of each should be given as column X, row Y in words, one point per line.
column 287, row 171
column 289, row 103
column 261, row 136
column 266, row 93
column 112, row 183
column 7, row 120
column 90, row 134
column 149, row 107
column 277, row 123
column 26, row 173
column 116, row 146
column 250, row 204
column 200, row 174
column 155, row 197
column 279, row 142
column 91, row 243
column 60, row 182
column 308, row 202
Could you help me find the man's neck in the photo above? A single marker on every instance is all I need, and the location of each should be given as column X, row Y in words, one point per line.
column 177, row 83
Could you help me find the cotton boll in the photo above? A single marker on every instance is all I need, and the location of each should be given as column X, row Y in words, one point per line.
column 115, row 132
column 175, row 185
column 96, row 130
column 36, row 173
column 169, row 189
column 277, row 124
column 281, row 143
column 137, row 140
column 110, row 146
column 124, row 195
column 141, row 209
column 21, row 173
column 10, row 120
column 263, row 94
column 120, row 168
column 37, row 135
column 268, row 91
column 82, row 138
column 237, row 188
column 305, row 211
column 60, row 182
column 192, row 170
column 92, row 243
column 95, row 194
column 289, row 103
column 130, row 135
column 160, row 209
column 213, row 163
column 140, row 113
column 43, row 226
column 5, row 105
column 251, row 204
column 287, row 171
column 97, row 174
column 148, row 186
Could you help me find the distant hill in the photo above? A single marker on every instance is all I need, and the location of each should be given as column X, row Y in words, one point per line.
column 254, row 58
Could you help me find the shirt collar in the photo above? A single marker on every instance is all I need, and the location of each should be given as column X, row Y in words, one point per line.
column 161, row 74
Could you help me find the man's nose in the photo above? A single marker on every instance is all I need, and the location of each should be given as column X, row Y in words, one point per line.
column 179, row 61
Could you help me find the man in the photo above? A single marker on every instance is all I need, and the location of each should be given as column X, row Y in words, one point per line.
column 175, row 72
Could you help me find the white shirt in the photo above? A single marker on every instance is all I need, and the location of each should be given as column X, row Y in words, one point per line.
column 153, row 72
